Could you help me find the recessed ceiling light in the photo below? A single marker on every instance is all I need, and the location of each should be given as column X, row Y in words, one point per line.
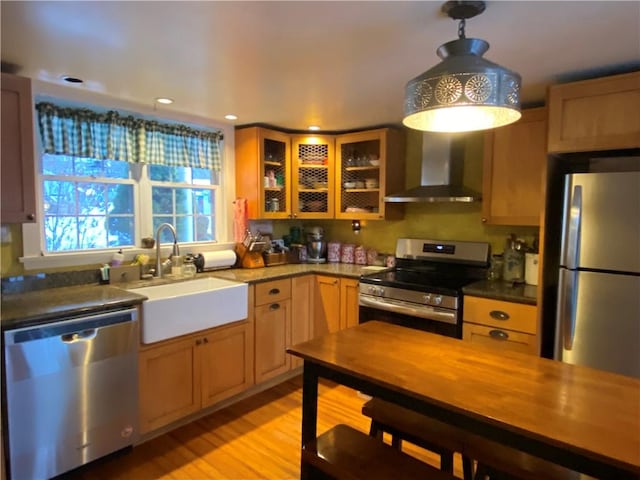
column 314, row 127
column 164, row 101
column 231, row 117
column 70, row 79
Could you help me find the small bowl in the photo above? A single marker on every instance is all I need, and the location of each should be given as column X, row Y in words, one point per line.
column 375, row 163
column 349, row 184
column 371, row 183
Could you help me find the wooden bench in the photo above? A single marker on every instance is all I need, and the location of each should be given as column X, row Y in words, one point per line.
column 494, row 460
column 345, row 453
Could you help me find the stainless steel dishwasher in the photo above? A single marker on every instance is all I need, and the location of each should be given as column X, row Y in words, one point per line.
column 72, row 392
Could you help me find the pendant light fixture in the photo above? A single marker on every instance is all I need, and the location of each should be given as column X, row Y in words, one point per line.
column 464, row 92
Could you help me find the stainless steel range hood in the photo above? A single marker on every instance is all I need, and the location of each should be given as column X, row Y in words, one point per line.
column 441, row 178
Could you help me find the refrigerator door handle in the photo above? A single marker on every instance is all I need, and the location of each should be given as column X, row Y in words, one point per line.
column 567, row 299
column 575, row 221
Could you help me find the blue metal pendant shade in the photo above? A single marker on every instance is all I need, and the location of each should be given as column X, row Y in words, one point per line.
column 464, row 92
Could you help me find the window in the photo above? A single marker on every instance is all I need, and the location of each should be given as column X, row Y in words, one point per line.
column 107, row 180
column 87, row 203
column 176, row 200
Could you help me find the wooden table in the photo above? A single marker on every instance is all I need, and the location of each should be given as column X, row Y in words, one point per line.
column 584, row 419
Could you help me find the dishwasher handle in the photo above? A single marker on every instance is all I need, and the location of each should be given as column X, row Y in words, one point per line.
column 83, row 336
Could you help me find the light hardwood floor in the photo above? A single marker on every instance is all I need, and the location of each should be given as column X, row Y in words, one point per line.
column 256, row 438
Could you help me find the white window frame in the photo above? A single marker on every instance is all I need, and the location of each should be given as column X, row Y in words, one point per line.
column 34, row 256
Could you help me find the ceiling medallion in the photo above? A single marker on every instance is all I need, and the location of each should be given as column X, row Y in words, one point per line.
column 464, row 92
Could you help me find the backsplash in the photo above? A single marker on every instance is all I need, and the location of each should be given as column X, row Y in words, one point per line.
column 41, row 281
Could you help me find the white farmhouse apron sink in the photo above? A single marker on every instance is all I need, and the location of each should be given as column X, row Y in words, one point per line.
column 180, row 308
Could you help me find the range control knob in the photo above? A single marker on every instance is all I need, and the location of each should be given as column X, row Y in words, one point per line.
column 437, row 300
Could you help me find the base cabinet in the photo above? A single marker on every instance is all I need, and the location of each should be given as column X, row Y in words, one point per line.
column 336, row 304
column 181, row 376
column 500, row 325
column 272, row 317
column 302, row 301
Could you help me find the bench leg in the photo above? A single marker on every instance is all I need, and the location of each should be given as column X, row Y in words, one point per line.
column 396, row 442
column 446, row 462
column 467, row 468
column 376, row 430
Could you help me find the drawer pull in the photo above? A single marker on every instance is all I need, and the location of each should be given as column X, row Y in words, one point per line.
column 499, row 315
column 274, row 291
column 274, row 306
column 499, row 335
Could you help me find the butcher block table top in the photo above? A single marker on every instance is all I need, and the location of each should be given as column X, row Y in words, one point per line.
column 582, row 418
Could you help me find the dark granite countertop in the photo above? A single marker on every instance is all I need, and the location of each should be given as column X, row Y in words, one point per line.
column 42, row 306
column 506, row 291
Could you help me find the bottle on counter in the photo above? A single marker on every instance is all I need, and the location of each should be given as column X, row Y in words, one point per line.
column 513, row 269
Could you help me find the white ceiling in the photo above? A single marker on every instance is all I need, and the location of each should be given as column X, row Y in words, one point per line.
column 340, row 65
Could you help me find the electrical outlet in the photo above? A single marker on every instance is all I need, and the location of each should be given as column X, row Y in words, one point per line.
column 5, row 234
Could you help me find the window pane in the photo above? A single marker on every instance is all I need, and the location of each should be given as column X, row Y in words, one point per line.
column 116, row 169
column 204, row 200
column 184, row 201
column 201, row 176
column 121, row 231
column 184, row 226
column 91, row 198
column 165, row 236
column 203, row 228
column 160, row 173
column 59, row 197
column 92, row 232
column 162, row 199
column 89, row 167
column 120, row 198
column 57, row 165
column 61, row 233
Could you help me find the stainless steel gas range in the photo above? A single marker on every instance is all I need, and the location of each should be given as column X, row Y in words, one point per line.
column 424, row 289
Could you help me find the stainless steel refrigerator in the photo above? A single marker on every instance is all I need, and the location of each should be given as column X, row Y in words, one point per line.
column 598, row 311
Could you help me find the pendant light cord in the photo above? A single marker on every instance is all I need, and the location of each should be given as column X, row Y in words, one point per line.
column 461, row 26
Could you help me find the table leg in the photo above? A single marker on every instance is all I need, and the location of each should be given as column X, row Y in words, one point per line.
column 309, row 413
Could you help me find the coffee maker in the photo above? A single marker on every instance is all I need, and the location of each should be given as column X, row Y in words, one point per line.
column 316, row 245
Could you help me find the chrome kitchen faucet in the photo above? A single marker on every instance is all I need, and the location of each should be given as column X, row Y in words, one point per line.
column 176, row 249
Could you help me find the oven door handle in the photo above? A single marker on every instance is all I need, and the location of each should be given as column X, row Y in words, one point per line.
column 430, row 313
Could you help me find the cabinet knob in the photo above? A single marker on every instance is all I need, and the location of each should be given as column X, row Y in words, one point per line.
column 205, row 340
column 274, row 291
column 499, row 335
column 484, row 220
column 31, row 216
column 198, row 342
column 499, row 315
column 274, row 306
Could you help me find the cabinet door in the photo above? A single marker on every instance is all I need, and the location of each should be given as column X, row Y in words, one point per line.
column 514, row 164
column 369, row 165
column 272, row 336
column 326, row 316
column 260, row 153
column 313, row 181
column 17, row 161
column 349, row 302
column 301, row 312
column 598, row 114
column 168, row 388
column 500, row 339
column 226, row 359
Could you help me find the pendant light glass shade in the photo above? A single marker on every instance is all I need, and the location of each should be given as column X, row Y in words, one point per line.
column 464, row 92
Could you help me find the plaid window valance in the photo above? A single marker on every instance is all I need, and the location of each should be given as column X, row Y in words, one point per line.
column 87, row 133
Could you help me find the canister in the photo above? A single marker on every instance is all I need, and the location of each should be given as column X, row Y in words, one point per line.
column 333, row 252
column 360, row 255
column 372, row 256
column 347, row 252
column 531, row 268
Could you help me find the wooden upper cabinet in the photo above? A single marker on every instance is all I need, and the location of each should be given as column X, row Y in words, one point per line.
column 369, row 165
column 17, row 157
column 313, row 161
column 598, row 114
column 263, row 171
column 514, row 163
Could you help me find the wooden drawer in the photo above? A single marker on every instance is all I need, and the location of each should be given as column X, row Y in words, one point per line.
column 503, row 315
column 500, row 339
column 274, row 291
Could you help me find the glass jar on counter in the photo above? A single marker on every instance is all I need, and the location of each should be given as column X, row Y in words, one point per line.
column 495, row 267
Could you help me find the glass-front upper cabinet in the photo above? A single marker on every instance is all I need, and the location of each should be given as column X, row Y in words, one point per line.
column 369, row 165
column 263, row 171
column 313, row 167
